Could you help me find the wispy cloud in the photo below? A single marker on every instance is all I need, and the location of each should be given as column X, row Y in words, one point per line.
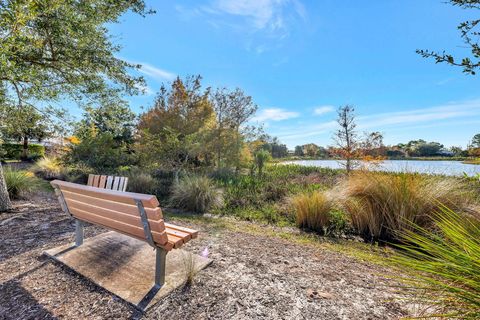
column 272, row 17
column 261, row 14
column 447, row 115
column 274, row 114
column 323, row 110
column 155, row 72
column 423, row 115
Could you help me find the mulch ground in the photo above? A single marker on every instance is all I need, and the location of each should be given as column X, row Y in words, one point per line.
column 252, row 277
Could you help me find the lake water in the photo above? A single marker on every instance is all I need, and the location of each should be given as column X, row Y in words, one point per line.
column 451, row 168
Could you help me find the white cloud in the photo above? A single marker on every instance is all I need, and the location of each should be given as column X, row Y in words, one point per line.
column 274, row 114
column 423, row 115
column 270, row 15
column 447, row 115
column 156, row 73
column 323, row 110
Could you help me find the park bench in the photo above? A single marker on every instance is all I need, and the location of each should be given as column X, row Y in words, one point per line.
column 107, row 182
column 133, row 214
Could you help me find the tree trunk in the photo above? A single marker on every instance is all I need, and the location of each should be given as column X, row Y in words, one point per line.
column 5, row 203
column 25, row 148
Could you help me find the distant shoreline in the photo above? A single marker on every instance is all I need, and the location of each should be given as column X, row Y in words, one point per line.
column 465, row 160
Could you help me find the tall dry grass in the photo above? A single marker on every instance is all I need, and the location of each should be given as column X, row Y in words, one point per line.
column 313, row 211
column 382, row 204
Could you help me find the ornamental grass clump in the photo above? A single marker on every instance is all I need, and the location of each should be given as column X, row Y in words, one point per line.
column 49, row 168
column 382, row 204
column 196, row 193
column 316, row 211
column 20, row 183
column 440, row 268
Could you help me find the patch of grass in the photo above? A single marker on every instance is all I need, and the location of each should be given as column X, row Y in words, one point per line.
column 20, row 183
column 266, row 214
column 351, row 248
column 442, row 267
column 196, row 193
column 382, row 204
column 189, row 265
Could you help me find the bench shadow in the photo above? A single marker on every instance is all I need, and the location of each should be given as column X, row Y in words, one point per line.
column 17, row 303
column 42, row 230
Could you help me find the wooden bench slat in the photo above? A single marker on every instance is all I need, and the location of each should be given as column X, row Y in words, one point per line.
column 159, row 238
column 90, row 180
column 125, row 182
column 120, row 184
column 152, row 213
column 185, row 236
column 168, row 246
column 109, row 183
column 116, row 182
column 148, row 201
column 96, row 179
column 193, row 233
column 177, row 242
column 155, row 225
column 103, row 180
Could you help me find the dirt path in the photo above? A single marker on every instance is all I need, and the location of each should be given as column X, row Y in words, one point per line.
column 252, row 277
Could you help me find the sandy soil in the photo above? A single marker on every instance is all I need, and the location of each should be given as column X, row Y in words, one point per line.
column 252, row 277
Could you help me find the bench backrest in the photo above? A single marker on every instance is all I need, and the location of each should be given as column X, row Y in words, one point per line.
column 107, row 182
column 115, row 210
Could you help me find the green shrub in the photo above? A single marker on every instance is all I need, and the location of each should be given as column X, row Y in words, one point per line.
column 78, row 173
column 164, row 180
column 20, row 183
column 274, row 186
column 101, row 152
column 382, row 204
column 316, row 211
column 49, row 168
column 441, row 269
column 14, row 151
column 196, row 193
column 141, row 182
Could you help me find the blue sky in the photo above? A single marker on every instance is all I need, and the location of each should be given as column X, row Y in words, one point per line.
column 301, row 59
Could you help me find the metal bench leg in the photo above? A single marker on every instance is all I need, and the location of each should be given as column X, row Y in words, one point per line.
column 160, row 261
column 78, row 232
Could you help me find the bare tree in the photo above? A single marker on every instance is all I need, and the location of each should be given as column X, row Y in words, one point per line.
column 346, row 136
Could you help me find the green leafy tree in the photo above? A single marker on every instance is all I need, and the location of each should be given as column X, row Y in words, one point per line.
column 176, row 132
column 311, row 150
column 476, row 141
column 233, row 109
column 469, row 33
column 100, row 152
column 421, row 148
column 25, row 124
column 298, row 151
column 115, row 118
column 56, row 49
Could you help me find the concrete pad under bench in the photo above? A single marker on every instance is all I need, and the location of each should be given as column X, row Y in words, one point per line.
column 126, row 266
